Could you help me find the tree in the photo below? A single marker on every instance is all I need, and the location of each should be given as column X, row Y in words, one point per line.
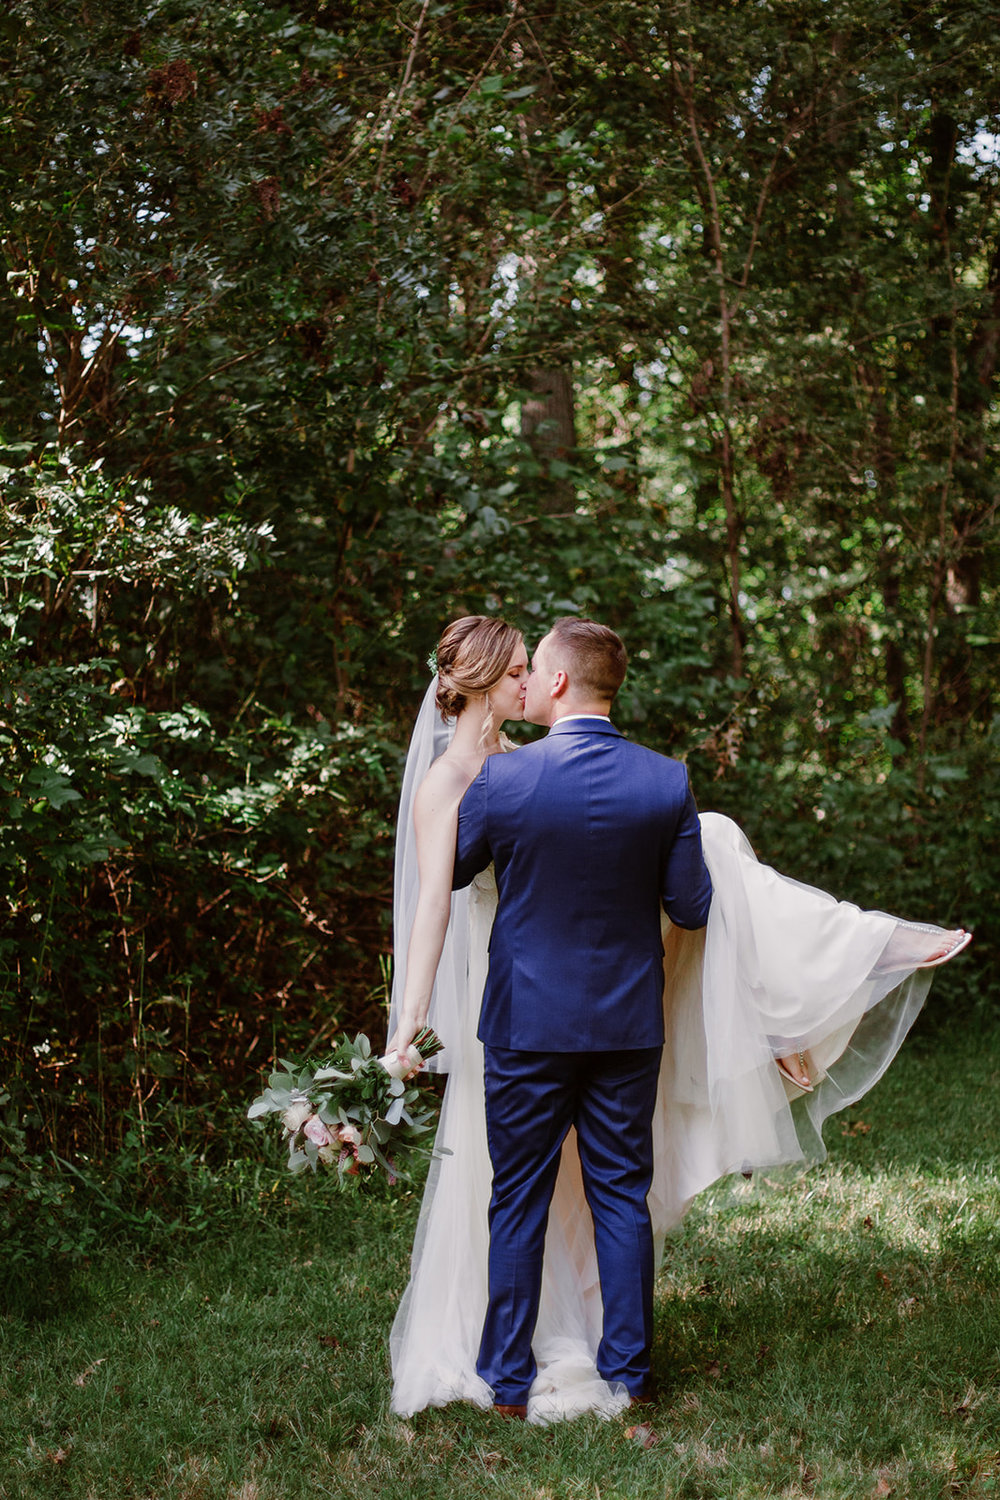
column 329, row 322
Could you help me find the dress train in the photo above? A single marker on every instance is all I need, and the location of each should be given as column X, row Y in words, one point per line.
column 780, row 967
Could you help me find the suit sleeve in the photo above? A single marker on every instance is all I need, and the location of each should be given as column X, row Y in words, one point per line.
column 687, row 885
column 472, row 849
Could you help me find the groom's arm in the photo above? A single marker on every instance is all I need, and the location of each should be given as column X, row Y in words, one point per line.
column 472, row 850
column 687, row 885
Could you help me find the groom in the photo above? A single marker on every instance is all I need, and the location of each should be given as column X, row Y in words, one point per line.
column 589, row 834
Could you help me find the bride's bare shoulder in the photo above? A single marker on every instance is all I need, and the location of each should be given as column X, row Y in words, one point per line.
column 446, row 783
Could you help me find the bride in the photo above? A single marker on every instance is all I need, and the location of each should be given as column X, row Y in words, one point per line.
column 787, row 996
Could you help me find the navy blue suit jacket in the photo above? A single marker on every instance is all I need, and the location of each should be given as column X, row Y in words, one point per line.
column 589, row 834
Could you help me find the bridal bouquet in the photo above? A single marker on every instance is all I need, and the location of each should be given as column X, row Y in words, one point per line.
column 355, row 1111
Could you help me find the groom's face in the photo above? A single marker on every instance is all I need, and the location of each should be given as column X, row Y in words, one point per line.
column 538, row 701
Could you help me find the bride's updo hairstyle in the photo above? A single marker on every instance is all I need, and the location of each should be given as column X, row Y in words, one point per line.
column 595, row 655
column 473, row 655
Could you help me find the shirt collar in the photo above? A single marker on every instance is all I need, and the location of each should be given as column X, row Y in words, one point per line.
column 584, row 724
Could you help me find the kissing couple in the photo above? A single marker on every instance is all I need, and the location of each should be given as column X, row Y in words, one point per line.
column 630, row 1006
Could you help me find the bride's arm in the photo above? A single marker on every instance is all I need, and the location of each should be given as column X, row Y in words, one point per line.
column 435, row 821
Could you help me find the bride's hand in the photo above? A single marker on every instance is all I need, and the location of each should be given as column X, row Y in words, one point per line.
column 398, row 1047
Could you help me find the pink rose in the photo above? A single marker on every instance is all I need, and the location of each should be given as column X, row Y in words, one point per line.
column 314, row 1130
column 350, row 1135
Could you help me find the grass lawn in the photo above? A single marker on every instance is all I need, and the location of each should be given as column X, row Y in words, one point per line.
column 835, row 1334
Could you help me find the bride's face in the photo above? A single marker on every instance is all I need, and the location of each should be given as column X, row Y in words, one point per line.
column 507, row 697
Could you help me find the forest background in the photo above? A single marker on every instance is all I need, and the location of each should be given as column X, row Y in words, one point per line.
column 326, row 323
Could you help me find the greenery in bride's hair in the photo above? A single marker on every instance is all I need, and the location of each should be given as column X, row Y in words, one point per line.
column 353, row 1112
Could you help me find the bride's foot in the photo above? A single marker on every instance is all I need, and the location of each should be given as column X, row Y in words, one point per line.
column 794, row 1068
column 956, row 941
column 912, row 947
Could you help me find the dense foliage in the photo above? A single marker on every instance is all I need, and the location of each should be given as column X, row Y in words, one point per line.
column 325, row 323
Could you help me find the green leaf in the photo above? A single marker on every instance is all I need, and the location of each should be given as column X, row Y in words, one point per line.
column 53, row 786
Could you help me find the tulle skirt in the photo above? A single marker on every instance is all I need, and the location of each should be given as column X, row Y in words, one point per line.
column 780, row 967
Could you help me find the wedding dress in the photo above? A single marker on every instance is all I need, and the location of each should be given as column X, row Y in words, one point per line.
column 780, row 967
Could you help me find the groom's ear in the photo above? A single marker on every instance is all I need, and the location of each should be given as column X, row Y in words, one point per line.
column 560, row 683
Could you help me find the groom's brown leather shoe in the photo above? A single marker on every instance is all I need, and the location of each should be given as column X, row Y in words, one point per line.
column 516, row 1412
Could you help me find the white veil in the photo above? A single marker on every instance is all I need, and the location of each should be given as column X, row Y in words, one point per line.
column 431, row 737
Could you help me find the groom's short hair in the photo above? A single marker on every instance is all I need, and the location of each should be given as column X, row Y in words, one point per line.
column 595, row 656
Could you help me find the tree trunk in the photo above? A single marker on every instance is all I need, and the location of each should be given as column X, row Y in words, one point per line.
column 548, row 425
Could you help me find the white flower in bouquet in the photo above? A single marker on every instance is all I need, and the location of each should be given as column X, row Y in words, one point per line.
column 357, row 1112
column 297, row 1113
